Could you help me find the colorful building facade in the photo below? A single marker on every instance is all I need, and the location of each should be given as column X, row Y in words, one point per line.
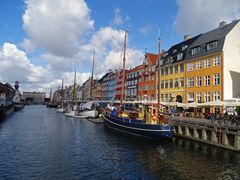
column 147, row 78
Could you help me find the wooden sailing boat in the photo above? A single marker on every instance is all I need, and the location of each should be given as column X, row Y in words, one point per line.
column 147, row 123
column 71, row 112
column 89, row 109
column 61, row 108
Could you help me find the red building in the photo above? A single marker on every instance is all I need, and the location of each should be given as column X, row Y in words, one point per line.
column 118, row 84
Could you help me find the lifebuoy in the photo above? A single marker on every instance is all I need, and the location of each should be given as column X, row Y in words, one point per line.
column 154, row 117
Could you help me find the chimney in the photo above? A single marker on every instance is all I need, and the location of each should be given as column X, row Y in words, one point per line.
column 222, row 24
column 186, row 37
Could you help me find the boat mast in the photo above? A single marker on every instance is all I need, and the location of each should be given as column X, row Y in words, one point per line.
column 159, row 57
column 51, row 94
column 74, row 86
column 62, row 93
column 91, row 88
column 123, row 69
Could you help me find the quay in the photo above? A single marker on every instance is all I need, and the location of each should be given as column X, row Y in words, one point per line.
column 205, row 131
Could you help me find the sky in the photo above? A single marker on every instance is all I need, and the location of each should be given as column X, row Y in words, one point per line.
column 44, row 41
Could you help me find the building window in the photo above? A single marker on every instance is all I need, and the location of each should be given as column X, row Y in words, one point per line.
column 176, row 69
column 162, row 97
column 190, row 82
column 190, row 96
column 162, row 84
column 216, row 61
column 170, row 70
column 199, row 81
column 176, row 82
column 166, row 97
column 190, row 67
column 199, row 97
column 199, row 64
column 207, row 63
column 171, row 83
column 217, row 110
column 179, row 56
column 166, row 83
column 153, row 87
column 162, row 72
column 216, row 96
column 207, row 80
column 181, row 68
column 195, row 50
column 181, row 82
column 153, row 77
column 166, row 70
column 216, row 79
column 211, row 45
column 207, row 96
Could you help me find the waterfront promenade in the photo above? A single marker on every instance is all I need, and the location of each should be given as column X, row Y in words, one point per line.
column 221, row 133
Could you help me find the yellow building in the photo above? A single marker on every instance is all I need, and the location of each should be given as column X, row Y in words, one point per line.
column 203, row 69
column 213, row 68
column 204, row 79
column 172, row 76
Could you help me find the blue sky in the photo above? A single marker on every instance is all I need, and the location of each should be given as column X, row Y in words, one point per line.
column 43, row 41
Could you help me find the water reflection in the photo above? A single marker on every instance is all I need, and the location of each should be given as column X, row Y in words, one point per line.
column 42, row 144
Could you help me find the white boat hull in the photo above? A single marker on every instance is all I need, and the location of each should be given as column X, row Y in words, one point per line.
column 70, row 113
column 60, row 110
column 89, row 113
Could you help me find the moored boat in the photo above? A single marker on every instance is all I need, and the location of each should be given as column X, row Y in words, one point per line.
column 6, row 100
column 18, row 106
column 144, row 122
column 89, row 109
column 18, row 101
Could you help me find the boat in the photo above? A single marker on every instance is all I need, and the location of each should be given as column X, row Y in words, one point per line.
column 144, row 122
column 19, row 105
column 18, row 101
column 89, row 109
column 6, row 100
column 61, row 108
column 52, row 105
column 71, row 109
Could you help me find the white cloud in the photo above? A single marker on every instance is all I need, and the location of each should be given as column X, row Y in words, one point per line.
column 27, row 45
column 63, row 29
column 14, row 65
column 117, row 18
column 146, row 29
column 199, row 16
column 57, row 26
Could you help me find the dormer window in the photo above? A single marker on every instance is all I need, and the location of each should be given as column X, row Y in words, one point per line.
column 184, row 47
column 211, row 45
column 195, row 50
column 179, row 56
column 165, row 54
column 174, row 50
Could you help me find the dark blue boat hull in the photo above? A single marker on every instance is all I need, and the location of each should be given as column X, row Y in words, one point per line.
column 5, row 111
column 134, row 127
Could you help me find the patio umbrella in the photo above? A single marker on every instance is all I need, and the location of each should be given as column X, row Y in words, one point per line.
column 187, row 105
column 213, row 103
column 234, row 104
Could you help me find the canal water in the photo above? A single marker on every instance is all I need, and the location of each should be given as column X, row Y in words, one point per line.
column 38, row 143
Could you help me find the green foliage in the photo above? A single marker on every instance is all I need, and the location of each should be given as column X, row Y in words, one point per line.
column 238, row 110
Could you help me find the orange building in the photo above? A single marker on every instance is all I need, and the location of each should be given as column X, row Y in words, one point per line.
column 147, row 78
